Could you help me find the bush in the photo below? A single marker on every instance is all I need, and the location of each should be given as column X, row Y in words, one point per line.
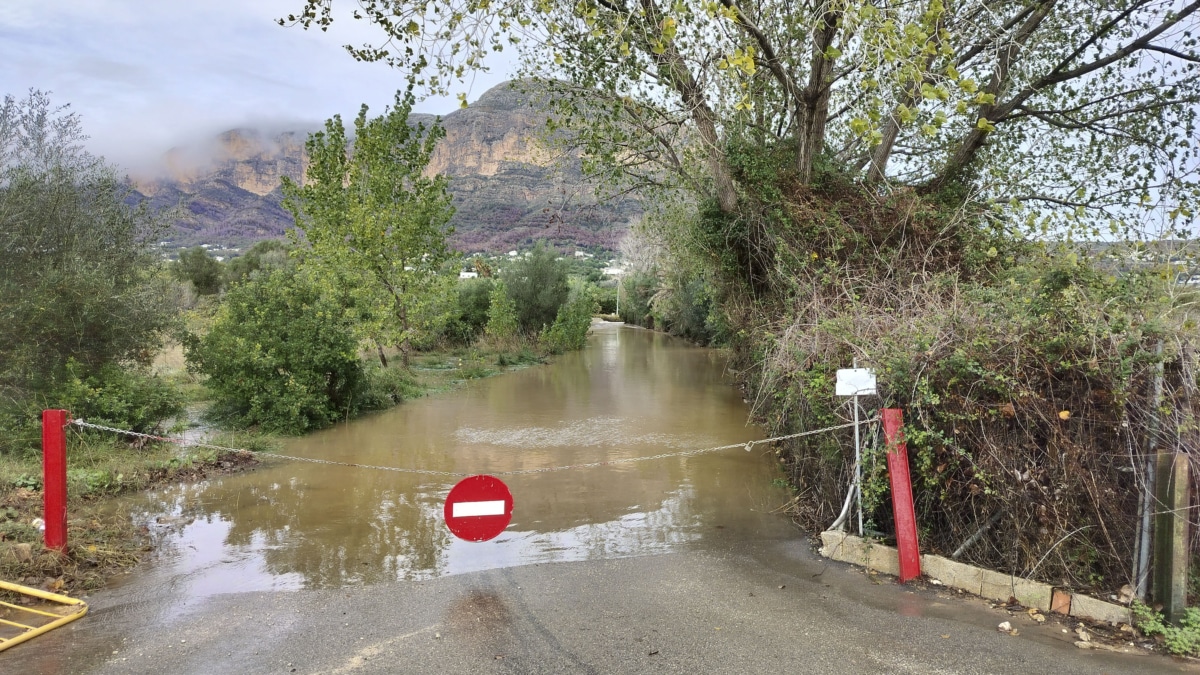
column 471, row 316
column 264, row 254
column 114, row 396
column 502, row 322
column 636, row 291
column 570, row 329
column 201, row 269
column 387, row 387
column 281, row 356
column 537, row 285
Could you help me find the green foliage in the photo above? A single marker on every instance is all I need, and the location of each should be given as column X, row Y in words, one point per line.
column 472, row 309
column 80, row 277
column 1181, row 640
column 502, row 314
column 606, row 298
column 636, row 291
column 570, row 328
column 118, row 397
column 280, row 355
column 374, row 224
column 268, row 253
column 537, row 284
column 203, row 271
column 387, row 387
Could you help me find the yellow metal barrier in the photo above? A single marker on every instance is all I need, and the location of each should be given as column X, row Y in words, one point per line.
column 72, row 609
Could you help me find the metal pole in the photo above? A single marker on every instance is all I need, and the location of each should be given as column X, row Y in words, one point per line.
column 1142, row 574
column 902, row 500
column 54, row 478
column 858, row 468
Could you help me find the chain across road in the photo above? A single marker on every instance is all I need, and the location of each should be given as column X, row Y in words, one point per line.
column 749, row 445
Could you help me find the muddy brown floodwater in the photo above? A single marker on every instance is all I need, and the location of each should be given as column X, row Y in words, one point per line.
column 631, row 393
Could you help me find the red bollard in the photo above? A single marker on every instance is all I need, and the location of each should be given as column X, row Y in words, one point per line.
column 54, row 478
column 902, row 499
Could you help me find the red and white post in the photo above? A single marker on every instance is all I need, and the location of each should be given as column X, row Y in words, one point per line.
column 54, row 478
column 902, row 499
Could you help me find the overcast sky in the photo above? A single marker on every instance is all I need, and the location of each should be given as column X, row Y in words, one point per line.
column 146, row 75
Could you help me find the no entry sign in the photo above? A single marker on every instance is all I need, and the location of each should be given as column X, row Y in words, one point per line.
column 478, row 508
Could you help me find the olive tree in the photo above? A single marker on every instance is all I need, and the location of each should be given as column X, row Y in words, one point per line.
column 81, row 282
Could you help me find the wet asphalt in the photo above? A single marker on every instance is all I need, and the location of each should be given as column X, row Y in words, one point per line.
column 757, row 608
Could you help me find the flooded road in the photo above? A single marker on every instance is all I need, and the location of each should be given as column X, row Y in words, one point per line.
column 673, row 564
column 631, row 393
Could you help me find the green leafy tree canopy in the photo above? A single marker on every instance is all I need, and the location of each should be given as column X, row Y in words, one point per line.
column 81, row 278
column 537, row 284
column 1064, row 114
column 367, row 210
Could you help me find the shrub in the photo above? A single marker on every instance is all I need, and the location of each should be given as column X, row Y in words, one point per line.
column 201, row 269
column 471, row 315
column 570, row 328
column 537, row 285
column 1181, row 640
column 502, row 322
column 114, row 396
column 280, row 355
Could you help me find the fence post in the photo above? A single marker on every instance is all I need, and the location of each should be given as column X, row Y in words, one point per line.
column 902, row 500
column 54, row 478
column 1170, row 567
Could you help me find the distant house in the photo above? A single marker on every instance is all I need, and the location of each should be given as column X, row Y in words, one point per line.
column 614, row 271
column 512, row 254
column 468, row 275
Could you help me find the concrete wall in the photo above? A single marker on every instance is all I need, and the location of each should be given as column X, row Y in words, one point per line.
column 985, row 583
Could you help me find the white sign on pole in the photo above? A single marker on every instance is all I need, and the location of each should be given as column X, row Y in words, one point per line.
column 855, row 382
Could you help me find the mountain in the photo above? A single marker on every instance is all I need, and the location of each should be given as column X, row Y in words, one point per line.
column 508, row 190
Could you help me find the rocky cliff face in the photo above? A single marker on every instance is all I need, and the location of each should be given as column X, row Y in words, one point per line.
column 509, row 191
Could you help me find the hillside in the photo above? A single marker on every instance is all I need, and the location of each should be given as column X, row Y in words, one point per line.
column 508, row 190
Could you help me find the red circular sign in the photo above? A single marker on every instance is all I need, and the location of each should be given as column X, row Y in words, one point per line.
column 478, row 508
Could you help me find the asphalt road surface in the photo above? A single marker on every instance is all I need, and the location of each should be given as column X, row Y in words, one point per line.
column 767, row 608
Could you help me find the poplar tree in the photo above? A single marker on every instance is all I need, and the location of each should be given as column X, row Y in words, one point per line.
column 374, row 222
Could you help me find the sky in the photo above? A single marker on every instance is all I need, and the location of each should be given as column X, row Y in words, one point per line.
column 148, row 75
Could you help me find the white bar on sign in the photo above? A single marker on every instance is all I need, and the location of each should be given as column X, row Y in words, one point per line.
column 464, row 509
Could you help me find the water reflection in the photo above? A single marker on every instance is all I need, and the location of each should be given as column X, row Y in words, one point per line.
column 631, row 393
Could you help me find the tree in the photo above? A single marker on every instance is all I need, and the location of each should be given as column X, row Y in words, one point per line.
column 1066, row 113
column 281, row 355
column 267, row 253
column 502, row 315
column 369, row 213
column 538, row 286
column 81, row 278
column 471, row 315
column 201, row 269
column 572, row 323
